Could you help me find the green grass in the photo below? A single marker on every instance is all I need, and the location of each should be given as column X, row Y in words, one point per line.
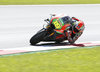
column 30, row 2
column 66, row 60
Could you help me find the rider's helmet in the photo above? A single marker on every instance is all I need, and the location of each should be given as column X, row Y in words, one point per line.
column 78, row 26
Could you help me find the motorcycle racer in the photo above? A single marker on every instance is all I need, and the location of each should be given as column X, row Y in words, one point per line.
column 76, row 28
column 59, row 29
column 72, row 33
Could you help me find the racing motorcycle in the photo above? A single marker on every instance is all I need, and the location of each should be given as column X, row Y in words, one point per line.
column 54, row 31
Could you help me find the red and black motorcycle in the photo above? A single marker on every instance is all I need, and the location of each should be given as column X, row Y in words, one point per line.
column 54, row 31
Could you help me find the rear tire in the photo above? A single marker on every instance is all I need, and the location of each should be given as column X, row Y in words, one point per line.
column 38, row 37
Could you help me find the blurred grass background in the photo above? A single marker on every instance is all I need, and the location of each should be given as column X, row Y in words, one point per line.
column 65, row 60
column 31, row 2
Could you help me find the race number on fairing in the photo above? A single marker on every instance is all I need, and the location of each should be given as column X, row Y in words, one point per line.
column 57, row 24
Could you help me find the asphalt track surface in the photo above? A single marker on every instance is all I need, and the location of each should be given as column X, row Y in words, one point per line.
column 19, row 23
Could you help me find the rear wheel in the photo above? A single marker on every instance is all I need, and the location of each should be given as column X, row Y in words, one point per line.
column 38, row 37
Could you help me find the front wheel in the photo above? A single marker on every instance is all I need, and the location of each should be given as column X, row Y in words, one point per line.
column 38, row 37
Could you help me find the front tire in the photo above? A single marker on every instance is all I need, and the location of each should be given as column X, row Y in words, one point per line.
column 38, row 37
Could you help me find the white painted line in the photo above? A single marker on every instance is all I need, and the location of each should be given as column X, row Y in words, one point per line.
column 48, row 47
column 41, row 48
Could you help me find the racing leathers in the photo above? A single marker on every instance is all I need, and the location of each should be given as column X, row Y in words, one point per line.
column 75, row 30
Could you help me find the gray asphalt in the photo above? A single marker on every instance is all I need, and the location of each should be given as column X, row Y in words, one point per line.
column 19, row 23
